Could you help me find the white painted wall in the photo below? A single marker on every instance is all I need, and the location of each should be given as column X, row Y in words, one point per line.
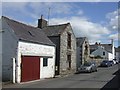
column 48, row 71
column 99, row 52
column 110, row 56
column 31, row 49
column 113, row 50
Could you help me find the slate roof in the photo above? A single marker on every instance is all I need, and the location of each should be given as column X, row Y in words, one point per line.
column 27, row 33
column 107, row 47
column 117, row 49
column 55, row 30
column 93, row 48
column 80, row 41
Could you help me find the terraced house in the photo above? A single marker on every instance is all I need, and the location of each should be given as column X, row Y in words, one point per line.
column 63, row 37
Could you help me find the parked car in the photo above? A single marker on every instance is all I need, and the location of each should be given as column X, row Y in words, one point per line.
column 88, row 67
column 112, row 62
column 105, row 63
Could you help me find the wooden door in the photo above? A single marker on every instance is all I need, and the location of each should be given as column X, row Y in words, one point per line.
column 30, row 68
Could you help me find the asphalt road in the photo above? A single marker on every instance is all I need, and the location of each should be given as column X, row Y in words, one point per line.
column 104, row 78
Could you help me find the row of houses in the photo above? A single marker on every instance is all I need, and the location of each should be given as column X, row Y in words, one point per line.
column 105, row 51
column 32, row 53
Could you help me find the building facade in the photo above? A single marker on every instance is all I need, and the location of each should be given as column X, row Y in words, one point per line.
column 83, row 50
column 63, row 37
column 27, row 54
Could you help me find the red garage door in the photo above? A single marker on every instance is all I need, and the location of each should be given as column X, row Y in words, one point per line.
column 30, row 68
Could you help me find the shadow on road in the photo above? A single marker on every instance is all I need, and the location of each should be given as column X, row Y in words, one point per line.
column 113, row 84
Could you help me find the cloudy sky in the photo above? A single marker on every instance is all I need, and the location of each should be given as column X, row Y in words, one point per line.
column 96, row 20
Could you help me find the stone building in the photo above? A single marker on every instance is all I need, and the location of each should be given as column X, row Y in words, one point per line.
column 63, row 37
column 83, row 50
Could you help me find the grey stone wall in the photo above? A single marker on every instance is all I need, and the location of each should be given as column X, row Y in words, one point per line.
column 64, row 51
column 97, row 61
column 83, row 51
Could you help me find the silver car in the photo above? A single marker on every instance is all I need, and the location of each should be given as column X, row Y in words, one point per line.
column 88, row 67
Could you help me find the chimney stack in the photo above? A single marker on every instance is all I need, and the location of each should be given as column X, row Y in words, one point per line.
column 41, row 22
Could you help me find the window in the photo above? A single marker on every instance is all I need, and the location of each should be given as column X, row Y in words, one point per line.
column 69, row 41
column 103, row 53
column 45, row 62
column 69, row 61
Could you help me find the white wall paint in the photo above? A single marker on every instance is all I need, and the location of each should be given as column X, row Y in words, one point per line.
column 31, row 49
column 100, row 51
column 113, row 50
column 48, row 71
column 110, row 56
column 36, row 49
column 13, row 62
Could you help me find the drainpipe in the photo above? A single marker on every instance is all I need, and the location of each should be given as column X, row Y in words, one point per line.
column 13, row 60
